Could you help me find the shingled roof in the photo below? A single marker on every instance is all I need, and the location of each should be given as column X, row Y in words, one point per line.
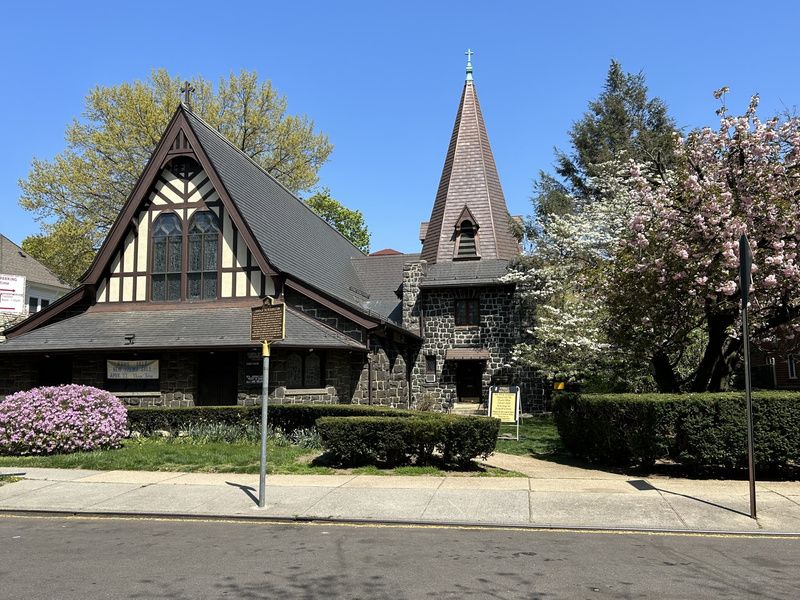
column 15, row 261
column 177, row 328
column 295, row 239
column 469, row 179
column 382, row 275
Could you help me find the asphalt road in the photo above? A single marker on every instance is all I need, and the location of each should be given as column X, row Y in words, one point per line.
column 64, row 558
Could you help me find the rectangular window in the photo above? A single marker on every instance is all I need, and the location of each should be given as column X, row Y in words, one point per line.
column 792, row 361
column 430, row 369
column 45, row 303
column 33, row 304
column 468, row 312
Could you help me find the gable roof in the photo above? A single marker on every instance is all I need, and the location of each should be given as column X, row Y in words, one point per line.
column 469, row 179
column 294, row 239
column 15, row 261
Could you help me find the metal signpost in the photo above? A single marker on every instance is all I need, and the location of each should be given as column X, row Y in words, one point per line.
column 267, row 324
column 745, row 264
column 505, row 405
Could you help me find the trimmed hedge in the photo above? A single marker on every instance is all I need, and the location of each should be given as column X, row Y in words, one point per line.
column 288, row 417
column 697, row 430
column 391, row 441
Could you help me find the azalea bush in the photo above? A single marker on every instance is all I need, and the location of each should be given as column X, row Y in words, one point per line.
column 59, row 420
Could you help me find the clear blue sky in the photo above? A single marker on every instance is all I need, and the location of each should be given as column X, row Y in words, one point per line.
column 383, row 79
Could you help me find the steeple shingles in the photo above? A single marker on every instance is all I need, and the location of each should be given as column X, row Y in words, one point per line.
column 469, row 179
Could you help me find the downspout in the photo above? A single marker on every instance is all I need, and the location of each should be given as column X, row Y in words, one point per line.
column 369, row 370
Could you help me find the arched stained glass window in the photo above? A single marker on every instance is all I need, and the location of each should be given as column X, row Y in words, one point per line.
column 167, row 258
column 203, row 256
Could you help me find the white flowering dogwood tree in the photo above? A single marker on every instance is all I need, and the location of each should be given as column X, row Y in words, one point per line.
column 647, row 272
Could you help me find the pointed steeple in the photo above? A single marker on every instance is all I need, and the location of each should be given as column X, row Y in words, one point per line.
column 469, row 181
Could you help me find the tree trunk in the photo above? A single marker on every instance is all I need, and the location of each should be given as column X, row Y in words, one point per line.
column 664, row 374
column 725, row 365
column 717, row 324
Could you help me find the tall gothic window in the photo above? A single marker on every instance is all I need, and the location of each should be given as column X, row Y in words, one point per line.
column 467, row 247
column 167, row 258
column 203, row 256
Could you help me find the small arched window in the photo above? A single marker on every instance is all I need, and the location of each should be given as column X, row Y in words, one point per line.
column 312, row 377
column 294, row 371
column 167, row 258
column 467, row 246
column 203, row 256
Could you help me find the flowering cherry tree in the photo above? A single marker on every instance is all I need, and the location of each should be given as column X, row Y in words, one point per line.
column 674, row 277
column 647, row 272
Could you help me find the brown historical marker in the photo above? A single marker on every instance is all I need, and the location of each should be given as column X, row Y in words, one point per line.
column 268, row 323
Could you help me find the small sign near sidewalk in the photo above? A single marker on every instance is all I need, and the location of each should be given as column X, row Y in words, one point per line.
column 504, row 404
column 267, row 324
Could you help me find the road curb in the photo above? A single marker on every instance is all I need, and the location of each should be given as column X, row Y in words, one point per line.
column 283, row 519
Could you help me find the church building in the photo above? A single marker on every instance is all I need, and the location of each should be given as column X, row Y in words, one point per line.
column 162, row 317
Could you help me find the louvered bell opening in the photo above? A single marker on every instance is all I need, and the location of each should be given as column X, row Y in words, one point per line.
column 466, row 242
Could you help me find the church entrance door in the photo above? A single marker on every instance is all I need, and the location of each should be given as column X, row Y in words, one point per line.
column 468, row 380
column 216, row 379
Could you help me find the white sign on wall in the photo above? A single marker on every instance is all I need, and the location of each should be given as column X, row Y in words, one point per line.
column 12, row 294
column 132, row 369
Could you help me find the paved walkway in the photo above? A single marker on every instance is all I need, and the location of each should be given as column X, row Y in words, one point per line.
column 558, row 497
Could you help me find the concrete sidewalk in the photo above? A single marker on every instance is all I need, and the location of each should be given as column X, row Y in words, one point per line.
column 597, row 499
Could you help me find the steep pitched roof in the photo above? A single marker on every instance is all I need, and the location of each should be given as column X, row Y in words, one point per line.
column 15, row 261
column 382, row 275
column 295, row 239
column 469, row 179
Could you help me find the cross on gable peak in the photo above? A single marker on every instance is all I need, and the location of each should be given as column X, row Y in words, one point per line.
column 187, row 90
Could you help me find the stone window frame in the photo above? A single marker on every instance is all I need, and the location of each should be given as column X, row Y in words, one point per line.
column 474, row 300
column 430, row 368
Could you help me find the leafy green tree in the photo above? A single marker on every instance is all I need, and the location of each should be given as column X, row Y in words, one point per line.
column 77, row 195
column 350, row 223
column 65, row 248
column 623, row 123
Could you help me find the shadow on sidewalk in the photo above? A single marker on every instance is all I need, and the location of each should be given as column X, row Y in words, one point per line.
column 250, row 491
column 642, row 485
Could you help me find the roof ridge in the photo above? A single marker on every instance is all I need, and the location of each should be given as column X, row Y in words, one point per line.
column 265, row 172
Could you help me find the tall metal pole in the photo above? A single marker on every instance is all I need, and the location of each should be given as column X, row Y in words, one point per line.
column 745, row 262
column 262, row 477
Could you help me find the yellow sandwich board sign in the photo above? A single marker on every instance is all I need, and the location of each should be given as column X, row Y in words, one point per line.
column 504, row 404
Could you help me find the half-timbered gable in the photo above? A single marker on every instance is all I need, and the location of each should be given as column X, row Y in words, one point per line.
column 182, row 245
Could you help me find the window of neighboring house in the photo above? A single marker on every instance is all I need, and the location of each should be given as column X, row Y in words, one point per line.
column 33, row 304
column 468, row 312
column 430, row 369
column 167, row 258
column 305, row 370
column 792, row 361
column 45, row 303
column 467, row 246
column 203, row 255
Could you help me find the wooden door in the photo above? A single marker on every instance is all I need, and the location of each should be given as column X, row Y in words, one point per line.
column 468, row 380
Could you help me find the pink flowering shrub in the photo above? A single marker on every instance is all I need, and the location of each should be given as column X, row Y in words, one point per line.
column 63, row 419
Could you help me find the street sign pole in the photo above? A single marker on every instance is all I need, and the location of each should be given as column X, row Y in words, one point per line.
column 262, row 478
column 267, row 324
column 745, row 262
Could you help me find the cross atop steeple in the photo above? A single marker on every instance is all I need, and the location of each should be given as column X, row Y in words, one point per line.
column 187, row 90
column 469, row 54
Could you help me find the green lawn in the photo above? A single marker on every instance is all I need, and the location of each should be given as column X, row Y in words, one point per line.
column 150, row 454
column 538, row 437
